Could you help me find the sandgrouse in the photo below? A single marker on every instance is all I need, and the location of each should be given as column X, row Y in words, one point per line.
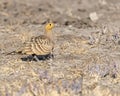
column 40, row 46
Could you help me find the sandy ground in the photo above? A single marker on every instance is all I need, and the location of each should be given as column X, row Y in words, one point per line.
column 86, row 55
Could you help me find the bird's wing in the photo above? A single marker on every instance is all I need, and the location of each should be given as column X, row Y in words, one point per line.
column 40, row 45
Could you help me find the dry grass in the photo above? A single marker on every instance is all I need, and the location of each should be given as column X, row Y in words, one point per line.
column 87, row 55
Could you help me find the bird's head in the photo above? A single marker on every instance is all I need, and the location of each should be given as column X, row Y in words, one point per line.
column 49, row 27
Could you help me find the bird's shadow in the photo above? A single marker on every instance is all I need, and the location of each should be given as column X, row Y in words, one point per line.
column 36, row 58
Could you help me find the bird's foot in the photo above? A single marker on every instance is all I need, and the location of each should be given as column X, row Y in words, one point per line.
column 37, row 58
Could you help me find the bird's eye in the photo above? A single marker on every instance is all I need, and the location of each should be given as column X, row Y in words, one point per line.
column 50, row 24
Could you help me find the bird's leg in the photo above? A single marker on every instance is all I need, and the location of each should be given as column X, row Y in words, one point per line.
column 50, row 56
column 42, row 57
column 36, row 58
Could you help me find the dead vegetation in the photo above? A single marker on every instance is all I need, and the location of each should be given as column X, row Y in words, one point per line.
column 87, row 53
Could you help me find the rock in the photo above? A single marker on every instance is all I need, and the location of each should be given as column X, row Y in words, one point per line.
column 93, row 16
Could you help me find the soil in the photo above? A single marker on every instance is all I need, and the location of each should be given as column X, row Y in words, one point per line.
column 87, row 48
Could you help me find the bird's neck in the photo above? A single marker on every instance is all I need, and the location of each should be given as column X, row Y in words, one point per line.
column 49, row 34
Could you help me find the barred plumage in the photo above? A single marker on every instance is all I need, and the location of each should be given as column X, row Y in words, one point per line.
column 41, row 45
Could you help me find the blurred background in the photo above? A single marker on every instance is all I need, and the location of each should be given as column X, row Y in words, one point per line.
column 87, row 50
column 66, row 12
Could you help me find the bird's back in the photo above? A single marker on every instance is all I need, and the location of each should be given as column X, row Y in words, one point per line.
column 41, row 45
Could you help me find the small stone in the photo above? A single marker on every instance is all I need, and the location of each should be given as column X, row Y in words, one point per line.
column 93, row 16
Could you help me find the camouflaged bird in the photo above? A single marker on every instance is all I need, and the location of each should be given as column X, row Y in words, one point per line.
column 42, row 45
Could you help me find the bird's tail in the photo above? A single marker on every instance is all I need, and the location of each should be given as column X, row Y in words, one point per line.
column 19, row 51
